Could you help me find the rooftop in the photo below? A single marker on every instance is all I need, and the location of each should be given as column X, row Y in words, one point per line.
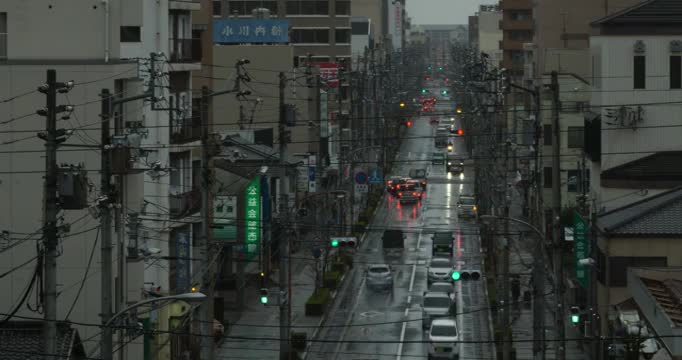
column 668, row 294
column 651, row 11
column 23, row 340
column 656, row 215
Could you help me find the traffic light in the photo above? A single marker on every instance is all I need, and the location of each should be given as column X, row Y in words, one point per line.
column 575, row 315
column 423, row 91
column 402, row 104
column 473, row 275
column 408, row 123
column 264, row 295
column 460, row 132
column 428, row 78
column 344, row 242
column 445, row 92
column 459, row 110
column 440, row 68
column 429, row 67
column 261, row 279
column 456, row 275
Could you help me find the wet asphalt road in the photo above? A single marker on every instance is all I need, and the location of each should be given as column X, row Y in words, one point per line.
column 387, row 324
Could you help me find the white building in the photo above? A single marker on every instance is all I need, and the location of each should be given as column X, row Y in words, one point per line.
column 98, row 44
column 637, row 78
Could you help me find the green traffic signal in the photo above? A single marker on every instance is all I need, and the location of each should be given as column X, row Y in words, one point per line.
column 575, row 319
column 456, row 275
column 263, row 299
column 440, row 68
column 423, row 91
column 335, row 243
column 445, row 92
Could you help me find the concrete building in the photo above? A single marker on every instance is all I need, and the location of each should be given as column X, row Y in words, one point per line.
column 517, row 28
column 489, row 33
column 115, row 53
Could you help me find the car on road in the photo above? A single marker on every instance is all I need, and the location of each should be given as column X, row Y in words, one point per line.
column 435, row 305
column 444, row 339
column 439, row 269
column 379, row 276
column 419, row 175
column 434, row 120
column 438, row 158
column 393, row 182
column 466, row 207
column 393, row 239
column 455, row 164
column 442, row 286
column 442, row 243
column 410, row 194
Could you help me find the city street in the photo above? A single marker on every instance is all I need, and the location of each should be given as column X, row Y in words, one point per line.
column 387, row 324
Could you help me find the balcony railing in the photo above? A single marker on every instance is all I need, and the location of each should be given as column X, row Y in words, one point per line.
column 185, row 130
column 184, row 204
column 508, row 24
column 185, row 50
column 508, row 44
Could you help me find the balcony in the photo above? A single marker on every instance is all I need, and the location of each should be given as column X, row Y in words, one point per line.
column 185, row 130
column 511, row 44
column 516, row 5
column 191, row 5
column 185, row 50
column 509, row 24
column 184, row 204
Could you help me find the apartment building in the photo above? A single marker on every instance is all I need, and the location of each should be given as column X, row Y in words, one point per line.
column 517, row 29
column 489, row 35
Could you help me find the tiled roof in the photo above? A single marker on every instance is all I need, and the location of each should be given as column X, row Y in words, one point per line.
column 651, row 11
column 23, row 340
column 656, row 215
column 668, row 294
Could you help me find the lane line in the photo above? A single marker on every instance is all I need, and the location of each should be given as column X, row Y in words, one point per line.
column 350, row 318
column 414, row 271
column 399, row 355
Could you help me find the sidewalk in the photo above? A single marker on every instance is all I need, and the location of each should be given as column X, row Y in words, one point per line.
column 259, row 321
column 521, row 262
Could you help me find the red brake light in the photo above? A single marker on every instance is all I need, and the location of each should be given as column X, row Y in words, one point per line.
column 400, row 194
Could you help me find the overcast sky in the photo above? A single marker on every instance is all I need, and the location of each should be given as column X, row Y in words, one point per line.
column 443, row 11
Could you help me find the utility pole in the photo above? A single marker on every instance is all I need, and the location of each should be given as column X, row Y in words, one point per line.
column 556, row 225
column 538, row 263
column 107, row 344
column 50, row 215
column 284, row 207
column 206, row 309
column 506, row 308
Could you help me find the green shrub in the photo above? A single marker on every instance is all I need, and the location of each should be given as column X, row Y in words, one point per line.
column 320, row 296
column 331, row 280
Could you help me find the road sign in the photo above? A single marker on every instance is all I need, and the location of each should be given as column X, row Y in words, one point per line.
column 581, row 250
column 375, row 178
column 360, row 177
column 361, row 188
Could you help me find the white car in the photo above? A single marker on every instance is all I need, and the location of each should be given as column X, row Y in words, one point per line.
column 440, row 269
column 379, row 276
column 444, row 339
column 436, row 305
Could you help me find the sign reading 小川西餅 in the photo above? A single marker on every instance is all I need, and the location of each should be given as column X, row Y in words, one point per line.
column 581, row 249
column 252, row 218
column 230, row 31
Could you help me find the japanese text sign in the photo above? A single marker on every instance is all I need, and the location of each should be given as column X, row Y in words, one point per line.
column 252, row 218
column 581, row 249
column 226, row 31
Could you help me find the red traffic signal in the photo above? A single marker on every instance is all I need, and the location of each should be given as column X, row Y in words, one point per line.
column 460, row 132
column 408, row 123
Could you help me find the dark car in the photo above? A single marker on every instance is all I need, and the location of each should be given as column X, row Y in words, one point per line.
column 394, row 182
column 393, row 239
column 442, row 243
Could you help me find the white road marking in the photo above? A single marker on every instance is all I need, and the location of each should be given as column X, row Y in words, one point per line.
column 350, row 318
column 409, row 301
column 414, row 270
column 402, row 338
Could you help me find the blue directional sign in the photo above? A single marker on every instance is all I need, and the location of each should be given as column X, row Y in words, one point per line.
column 360, row 177
column 226, row 31
column 376, row 178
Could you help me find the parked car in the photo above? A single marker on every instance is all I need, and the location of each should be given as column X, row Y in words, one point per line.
column 466, row 207
column 379, row 276
column 444, row 339
column 435, row 305
column 439, row 269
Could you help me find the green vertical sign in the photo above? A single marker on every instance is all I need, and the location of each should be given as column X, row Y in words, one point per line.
column 580, row 247
column 252, row 216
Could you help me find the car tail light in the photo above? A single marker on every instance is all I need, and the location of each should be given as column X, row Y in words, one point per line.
column 400, row 194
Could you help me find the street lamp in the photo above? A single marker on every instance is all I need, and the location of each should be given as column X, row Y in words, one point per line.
column 191, row 297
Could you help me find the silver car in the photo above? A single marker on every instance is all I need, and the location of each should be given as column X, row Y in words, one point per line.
column 435, row 305
column 379, row 276
column 466, row 207
column 440, row 269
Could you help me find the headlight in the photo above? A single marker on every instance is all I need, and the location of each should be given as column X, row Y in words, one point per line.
column 449, row 163
column 475, row 208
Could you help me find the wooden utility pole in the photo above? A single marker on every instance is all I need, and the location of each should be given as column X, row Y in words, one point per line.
column 284, row 240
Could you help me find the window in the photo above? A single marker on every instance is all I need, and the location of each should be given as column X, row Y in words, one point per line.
column 3, row 35
column 573, row 180
column 342, row 7
column 675, row 72
column 310, row 36
column 520, row 15
column 319, row 7
column 639, row 72
column 547, row 134
column 342, row 36
column 547, row 177
column 217, row 8
column 576, row 137
column 130, row 34
column 246, row 7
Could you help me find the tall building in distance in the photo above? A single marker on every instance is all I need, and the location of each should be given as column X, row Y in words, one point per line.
column 517, row 30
